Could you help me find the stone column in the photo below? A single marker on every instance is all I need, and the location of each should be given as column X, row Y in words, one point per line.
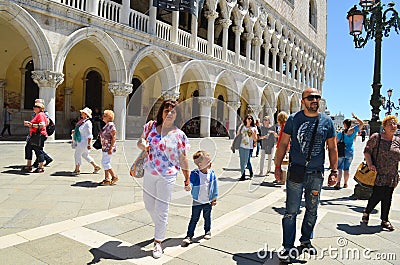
column 266, row 57
column 238, row 30
column 3, row 84
column 274, row 53
column 211, row 16
column 270, row 111
column 48, row 81
column 281, row 56
column 233, row 106
column 257, row 44
column 126, row 8
column 67, row 106
column 205, row 115
column 193, row 39
column 255, row 110
column 151, row 27
column 175, row 25
column 225, row 24
column 248, row 37
column 120, row 92
column 292, row 69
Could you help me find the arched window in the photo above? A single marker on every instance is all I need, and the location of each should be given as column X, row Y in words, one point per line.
column 312, row 13
column 94, row 90
column 135, row 98
column 31, row 88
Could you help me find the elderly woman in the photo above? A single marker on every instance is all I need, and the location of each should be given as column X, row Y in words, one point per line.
column 82, row 136
column 167, row 149
column 249, row 137
column 382, row 154
column 108, row 137
column 348, row 136
column 37, row 124
column 267, row 137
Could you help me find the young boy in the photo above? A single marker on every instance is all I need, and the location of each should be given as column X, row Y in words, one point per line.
column 204, row 193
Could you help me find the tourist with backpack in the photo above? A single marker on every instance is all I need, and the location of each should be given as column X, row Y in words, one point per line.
column 49, row 132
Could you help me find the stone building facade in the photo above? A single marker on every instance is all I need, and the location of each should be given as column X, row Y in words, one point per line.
column 236, row 57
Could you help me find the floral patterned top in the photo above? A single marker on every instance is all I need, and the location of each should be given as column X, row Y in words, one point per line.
column 163, row 158
column 387, row 162
column 106, row 137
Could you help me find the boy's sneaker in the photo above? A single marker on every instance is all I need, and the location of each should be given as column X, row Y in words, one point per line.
column 157, row 251
column 207, row 236
column 186, row 241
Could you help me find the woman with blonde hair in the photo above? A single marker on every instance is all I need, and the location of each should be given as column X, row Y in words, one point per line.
column 108, row 137
column 282, row 118
column 382, row 154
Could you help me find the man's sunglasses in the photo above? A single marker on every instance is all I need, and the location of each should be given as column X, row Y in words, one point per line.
column 312, row 97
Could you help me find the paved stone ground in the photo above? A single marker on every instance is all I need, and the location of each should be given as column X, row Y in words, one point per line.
column 57, row 218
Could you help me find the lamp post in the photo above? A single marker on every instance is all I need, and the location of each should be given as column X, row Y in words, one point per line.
column 388, row 104
column 377, row 23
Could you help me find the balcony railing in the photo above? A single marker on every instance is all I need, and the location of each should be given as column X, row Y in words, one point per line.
column 113, row 11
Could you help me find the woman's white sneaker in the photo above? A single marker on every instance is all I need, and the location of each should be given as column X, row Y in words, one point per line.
column 157, row 251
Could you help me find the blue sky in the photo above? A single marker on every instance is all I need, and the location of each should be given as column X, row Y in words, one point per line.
column 349, row 71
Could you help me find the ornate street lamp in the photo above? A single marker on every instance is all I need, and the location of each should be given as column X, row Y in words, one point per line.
column 389, row 104
column 376, row 23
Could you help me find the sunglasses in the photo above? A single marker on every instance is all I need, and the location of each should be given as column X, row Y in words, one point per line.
column 312, row 97
column 250, row 118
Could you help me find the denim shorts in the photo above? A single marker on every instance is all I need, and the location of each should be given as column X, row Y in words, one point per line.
column 344, row 162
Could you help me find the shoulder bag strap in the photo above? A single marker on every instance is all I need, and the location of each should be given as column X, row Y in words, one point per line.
column 308, row 159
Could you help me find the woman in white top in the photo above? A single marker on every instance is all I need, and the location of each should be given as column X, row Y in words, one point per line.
column 82, row 137
column 249, row 137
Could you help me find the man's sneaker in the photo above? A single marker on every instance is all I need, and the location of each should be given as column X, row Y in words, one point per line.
column 186, row 241
column 307, row 248
column 49, row 161
column 287, row 255
column 157, row 251
column 207, row 236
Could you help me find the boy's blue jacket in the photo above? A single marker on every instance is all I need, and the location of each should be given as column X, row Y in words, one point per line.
column 195, row 182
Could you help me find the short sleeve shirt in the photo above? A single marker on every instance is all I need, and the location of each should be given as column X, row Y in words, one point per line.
column 106, row 137
column 300, row 128
column 164, row 153
column 247, row 137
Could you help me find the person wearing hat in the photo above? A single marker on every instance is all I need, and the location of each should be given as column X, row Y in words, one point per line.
column 37, row 124
column 46, row 156
column 82, row 136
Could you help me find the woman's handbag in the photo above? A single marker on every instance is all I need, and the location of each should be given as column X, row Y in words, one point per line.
column 237, row 141
column 341, row 147
column 137, row 168
column 365, row 176
column 36, row 139
column 97, row 144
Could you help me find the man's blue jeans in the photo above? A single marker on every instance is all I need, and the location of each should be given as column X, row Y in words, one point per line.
column 312, row 188
column 196, row 210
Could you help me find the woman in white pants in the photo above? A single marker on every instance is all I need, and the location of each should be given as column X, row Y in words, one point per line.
column 167, row 147
column 268, row 136
column 82, row 137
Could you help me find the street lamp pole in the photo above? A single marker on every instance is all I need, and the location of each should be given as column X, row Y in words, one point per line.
column 389, row 105
column 376, row 24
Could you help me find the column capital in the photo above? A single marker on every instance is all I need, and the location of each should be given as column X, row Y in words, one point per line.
column 211, row 14
column 238, row 29
column 225, row 22
column 248, row 36
column 274, row 51
column 3, row 83
column 68, row 91
column 170, row 95
column 234, row 104
column 254, row 109
column 206, row 101
column 282, row 54
column 267, row 46
column 120, row 89
column 257, row 41
column 47, row 78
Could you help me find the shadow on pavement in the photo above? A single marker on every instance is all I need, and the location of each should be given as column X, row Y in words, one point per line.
column 263, row 256
column 86, row 184
column 231, row 169
column 359, row 229
column 63, row 174
column 15, row 172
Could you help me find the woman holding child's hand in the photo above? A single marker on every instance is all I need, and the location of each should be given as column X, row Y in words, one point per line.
column 167, row 150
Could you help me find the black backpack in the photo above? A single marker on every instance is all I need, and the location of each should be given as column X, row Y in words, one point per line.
column 51, row 127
